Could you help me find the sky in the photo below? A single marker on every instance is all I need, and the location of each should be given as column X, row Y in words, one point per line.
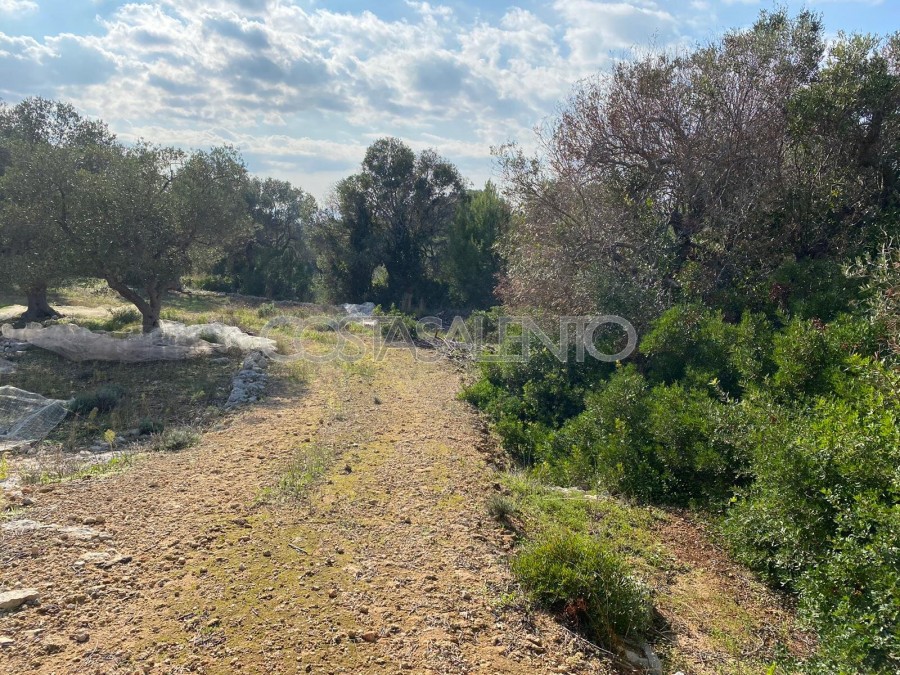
column 302, row 87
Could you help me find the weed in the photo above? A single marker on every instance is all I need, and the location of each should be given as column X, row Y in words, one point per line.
column 501, row 507
column 309, row 462
column 267, row 310
column 148, row 427
column 179, row 438
column 102, row 400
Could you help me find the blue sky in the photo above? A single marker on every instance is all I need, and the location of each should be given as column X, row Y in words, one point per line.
column 302, row 87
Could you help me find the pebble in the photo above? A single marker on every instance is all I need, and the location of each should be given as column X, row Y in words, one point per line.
column 17, row 598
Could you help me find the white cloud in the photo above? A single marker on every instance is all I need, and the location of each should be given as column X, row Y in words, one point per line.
column 292, row 86
column 17, row 6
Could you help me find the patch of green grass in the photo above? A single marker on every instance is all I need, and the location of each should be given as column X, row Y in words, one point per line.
column 309, row 463
column 119, row 319
column 4, row 467
column 103, row 400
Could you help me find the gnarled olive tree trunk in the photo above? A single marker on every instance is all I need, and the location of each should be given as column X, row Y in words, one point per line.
column 39, row 308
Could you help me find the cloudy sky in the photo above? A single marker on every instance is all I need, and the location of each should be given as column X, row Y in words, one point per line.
column 303, row 86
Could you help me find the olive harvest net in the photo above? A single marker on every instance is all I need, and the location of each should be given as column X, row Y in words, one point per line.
column 26, row 417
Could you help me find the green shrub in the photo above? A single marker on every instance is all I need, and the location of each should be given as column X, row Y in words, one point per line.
column 103, row 400
column 689, row 341
column 267, row 310
column 500, row 507
column 148, row 427
column 172, row 440
column 120, row 318
column 821, row 515
column 811, row 356
column 665, row 443
column 575, row 575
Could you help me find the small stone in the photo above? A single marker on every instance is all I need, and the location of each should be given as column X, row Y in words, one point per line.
column 332, row 594
column 6, row 641
column 17, row 598
column 81, row 637
column 93, row 520
column 370, row 636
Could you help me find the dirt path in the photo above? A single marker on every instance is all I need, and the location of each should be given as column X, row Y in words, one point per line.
column 389, row 564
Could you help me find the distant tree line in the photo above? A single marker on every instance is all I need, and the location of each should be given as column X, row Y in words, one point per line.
column 75, row 202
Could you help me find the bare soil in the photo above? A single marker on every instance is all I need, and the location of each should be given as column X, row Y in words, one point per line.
column 389, row 565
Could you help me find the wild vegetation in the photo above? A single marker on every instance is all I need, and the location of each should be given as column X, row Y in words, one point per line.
column 740, row 204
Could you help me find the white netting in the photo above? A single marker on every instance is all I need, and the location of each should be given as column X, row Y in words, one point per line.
column 171, row 342
column 359, row 311
column 27, row 417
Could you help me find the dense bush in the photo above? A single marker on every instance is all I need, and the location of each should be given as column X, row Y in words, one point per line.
column 788, row 427
column 529, row 399
column 821, row 516
column 575, row 575
column 102, row 400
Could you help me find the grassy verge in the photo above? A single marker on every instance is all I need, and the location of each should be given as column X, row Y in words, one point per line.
column 611, row 571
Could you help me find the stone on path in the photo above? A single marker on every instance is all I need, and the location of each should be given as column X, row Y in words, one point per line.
column 17, row 598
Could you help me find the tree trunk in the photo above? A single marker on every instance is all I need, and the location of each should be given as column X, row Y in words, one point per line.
column 149, row 308
column 151, row 316
column 38, row 307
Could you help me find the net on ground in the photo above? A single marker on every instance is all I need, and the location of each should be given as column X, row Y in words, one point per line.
column 26, row 417
column 171, row 342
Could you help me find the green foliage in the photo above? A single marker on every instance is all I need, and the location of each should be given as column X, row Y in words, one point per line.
column 576, row 575
column 821, row 515
column 277, row 262
column 404, row 231
column 102, row 400
column 500, row 507
column 120, row 318
column 667, row 443
column 528, row 399
column 149, row 426
column 472, row 261
column 175, row 439
column 810, row 355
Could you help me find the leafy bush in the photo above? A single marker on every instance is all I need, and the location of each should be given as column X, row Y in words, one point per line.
column 821, row 515
column 103, row 400
column 810, row 356
column 120, row 318
column 575, row 575
column 530, row 399
column 665, row 443
column 500, row 507
column 267, row 310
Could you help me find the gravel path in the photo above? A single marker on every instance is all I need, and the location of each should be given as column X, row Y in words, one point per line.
column 196, row 562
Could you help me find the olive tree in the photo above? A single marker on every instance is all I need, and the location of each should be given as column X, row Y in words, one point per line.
column 35, row 137
column 153, row 214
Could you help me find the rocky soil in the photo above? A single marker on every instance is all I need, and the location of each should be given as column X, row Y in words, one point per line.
column 200, row 562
